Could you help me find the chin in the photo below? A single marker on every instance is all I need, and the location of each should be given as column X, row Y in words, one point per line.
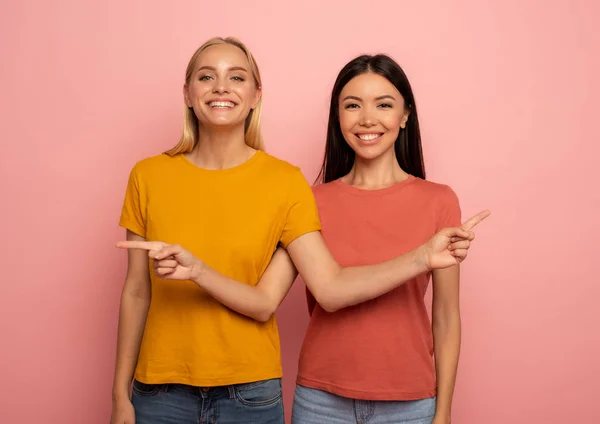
column 369, row 152
column 222, row 123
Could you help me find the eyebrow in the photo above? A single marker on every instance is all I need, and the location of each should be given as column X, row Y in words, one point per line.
column 212, row 68
column 385, row 96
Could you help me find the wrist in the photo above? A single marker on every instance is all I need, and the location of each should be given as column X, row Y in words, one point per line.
column 442, row 412
column 198, row 272
column 441, row 419
column 422, row 258
column 120, row 395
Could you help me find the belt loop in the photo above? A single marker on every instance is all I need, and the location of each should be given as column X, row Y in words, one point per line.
column 231, row 390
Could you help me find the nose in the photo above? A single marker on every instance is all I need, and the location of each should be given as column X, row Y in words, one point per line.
column 366, row 118
column 221, row 86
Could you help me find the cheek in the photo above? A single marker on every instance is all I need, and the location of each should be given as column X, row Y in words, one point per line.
column 391, row 122
column 199, row 90
column 246, row 92
column 347, row 121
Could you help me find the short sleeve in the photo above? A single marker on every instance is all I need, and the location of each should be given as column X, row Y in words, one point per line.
column 449, row 213
column 133, row 214
column 302, row 214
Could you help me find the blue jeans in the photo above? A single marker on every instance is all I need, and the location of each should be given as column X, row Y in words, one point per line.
column 253, row 403
column 313, row 406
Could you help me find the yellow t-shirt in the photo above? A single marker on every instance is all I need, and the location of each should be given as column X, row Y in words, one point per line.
column 233, row 220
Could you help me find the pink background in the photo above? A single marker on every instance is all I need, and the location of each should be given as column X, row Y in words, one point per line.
column 508, row 97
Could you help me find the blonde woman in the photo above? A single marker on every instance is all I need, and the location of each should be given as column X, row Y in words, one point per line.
column 191, row 358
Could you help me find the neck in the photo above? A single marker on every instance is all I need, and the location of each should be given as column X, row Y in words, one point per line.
column 372, row 174
column 220, row 148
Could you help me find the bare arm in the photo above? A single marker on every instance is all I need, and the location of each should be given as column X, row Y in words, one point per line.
column 335, row 287
column 135, row 301
column 446, row 334
column 260, row 301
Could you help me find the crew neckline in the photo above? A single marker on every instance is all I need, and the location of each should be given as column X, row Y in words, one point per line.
column 226, row 171
column 355, row 191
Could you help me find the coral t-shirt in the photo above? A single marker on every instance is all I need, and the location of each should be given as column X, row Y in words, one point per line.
column 381, row 349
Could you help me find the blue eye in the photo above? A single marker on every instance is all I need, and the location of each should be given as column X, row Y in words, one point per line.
column 238, row 79
column 205, row 78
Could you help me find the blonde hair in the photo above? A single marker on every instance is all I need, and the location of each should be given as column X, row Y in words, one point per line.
column 189, row 136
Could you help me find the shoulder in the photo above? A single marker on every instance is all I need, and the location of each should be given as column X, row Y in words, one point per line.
column 154, row 164
column 446, row 204
column 278, row 166
column 442, row 193
column 444, row 201
column 325, row 190
column 279, row 173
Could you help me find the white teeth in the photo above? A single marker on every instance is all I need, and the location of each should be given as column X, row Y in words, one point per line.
column 221, row 104
column 369, row 137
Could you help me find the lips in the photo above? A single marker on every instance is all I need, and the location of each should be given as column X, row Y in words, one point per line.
column 221, row 104
column 369, row 137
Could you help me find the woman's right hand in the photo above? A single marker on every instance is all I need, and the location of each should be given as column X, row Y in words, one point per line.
column 450, row 246
column 171, row 261
column 122, row 412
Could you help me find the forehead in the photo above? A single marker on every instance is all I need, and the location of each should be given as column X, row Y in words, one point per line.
column 369, row 85
column 222, row 55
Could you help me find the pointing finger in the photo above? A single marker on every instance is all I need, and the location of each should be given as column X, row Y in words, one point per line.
column 473, row 221
column 144, row 245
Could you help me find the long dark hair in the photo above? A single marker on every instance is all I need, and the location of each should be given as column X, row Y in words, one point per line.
column 339, row 156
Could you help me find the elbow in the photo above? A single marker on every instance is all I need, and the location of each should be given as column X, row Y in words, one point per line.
column 265, row 313
column 263, row 316
column 330, row 292
column 136, row 294
column 329, row 302
column 446, row 324
column 330, row 307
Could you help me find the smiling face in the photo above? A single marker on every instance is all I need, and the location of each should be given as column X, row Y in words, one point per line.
column 371, row 114
column 221, row 89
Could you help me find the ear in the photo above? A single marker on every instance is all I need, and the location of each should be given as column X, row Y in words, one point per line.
column 186, row 97
column 257, row 97
column 404, row 118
